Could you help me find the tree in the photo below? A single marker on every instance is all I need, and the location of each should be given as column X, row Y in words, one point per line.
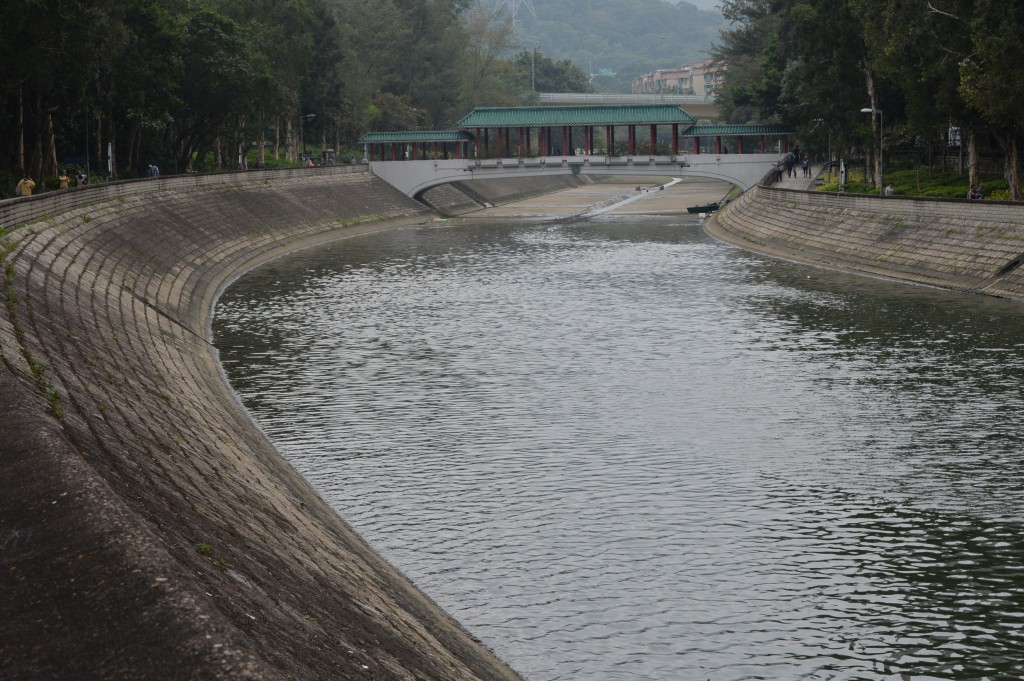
column 485, row 78
column 537, row 71
column 991, row 80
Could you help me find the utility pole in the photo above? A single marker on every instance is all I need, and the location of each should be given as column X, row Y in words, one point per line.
column 513, row 7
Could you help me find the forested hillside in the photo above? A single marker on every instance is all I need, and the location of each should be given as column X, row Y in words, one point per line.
column 627, row 37
column 226, row 83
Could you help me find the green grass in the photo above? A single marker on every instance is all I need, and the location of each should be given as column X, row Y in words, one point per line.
column 920, row 182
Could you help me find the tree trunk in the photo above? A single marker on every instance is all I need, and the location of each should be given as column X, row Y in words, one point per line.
column 21, row 131
column 261, row 140
column 51, row 148
column 112, row 163
column 973, row 164
column 99, row 144
column 38, row 146
column 289, row 136
column 1011, row 170
column 135, row 146
column 876, row 139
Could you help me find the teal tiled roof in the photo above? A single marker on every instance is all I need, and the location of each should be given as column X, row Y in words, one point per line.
column 537, row 116
column 737, row 130
column 415, row 137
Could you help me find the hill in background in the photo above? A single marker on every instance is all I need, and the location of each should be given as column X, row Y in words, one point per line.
column 624, row 37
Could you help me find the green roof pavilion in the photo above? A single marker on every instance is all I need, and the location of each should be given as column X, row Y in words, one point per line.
column 546, row 119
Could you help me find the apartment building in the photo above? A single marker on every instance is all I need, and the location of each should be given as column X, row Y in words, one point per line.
column 699, row 78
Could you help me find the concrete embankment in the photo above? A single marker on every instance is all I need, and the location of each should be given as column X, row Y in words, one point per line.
column 459, row 198
column 147, row 529
column 961, row 245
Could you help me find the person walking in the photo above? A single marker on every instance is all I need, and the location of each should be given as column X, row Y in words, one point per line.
column 25, row 187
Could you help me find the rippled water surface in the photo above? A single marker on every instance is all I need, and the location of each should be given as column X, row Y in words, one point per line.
column 618, row 450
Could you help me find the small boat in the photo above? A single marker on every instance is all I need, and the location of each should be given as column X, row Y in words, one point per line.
column 706, row 208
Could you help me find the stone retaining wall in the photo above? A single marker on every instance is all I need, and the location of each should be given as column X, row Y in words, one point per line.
column 147, row 528
column 961, row 245
column 459, row 198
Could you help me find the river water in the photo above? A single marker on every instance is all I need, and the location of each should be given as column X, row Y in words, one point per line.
column 615, row 449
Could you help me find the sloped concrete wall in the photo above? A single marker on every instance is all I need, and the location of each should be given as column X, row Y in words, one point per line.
column 961, row 245
column 147, row 528
column 460, row 198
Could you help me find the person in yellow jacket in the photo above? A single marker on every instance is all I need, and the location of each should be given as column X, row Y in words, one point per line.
column 64, row 180
column 25, row 187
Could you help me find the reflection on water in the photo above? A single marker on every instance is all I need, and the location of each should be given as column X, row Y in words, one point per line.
column 618, row 450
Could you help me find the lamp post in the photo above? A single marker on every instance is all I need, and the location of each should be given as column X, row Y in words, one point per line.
column 881, row 123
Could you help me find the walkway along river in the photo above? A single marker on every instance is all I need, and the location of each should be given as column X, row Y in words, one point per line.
column 147, row 528
column 617, row 449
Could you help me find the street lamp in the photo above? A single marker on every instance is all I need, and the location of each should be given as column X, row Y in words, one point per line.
column 881, row 123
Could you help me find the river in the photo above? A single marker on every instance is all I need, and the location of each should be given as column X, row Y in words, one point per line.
column 615, row 449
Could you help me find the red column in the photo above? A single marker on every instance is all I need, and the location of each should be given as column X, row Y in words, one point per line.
column 609, row 133
column 508, row 141
column 718, row 144
column 739, row 144
column 565, row 141
column 785, row 144
column 521, row 134
column 762, row 144
column 696, row 145
column 632, row 140
column 675, row 139
column 588, row 139
column 413, row 155
column 654, row 139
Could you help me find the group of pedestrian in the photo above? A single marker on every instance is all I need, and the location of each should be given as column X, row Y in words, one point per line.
column 27, row 185
column 794, row 163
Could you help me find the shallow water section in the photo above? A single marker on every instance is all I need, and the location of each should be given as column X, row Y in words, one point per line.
column 615, row 449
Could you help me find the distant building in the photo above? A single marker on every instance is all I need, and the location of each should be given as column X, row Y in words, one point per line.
column 699, row 78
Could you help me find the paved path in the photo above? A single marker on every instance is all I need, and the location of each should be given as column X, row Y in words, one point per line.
column 798, row 181
column 621, row 198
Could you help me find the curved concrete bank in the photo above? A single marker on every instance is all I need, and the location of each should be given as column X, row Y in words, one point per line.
column 147, row 529
column 965, row 246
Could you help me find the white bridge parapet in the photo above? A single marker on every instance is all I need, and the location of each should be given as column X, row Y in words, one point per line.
column 414, row 177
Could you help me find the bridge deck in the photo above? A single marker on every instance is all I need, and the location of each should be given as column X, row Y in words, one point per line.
column 413, row 177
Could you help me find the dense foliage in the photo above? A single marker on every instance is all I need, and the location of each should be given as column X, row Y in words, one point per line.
column 190, row 84
column 935, row 73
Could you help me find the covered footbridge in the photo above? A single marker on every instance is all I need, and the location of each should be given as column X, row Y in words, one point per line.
column 660, row 139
